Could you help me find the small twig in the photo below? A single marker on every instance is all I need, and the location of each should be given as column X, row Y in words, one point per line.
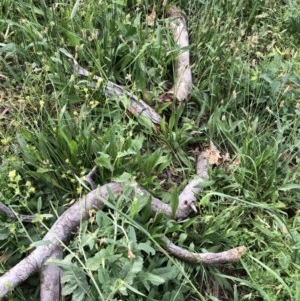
column 88, row 178
column 11, row 214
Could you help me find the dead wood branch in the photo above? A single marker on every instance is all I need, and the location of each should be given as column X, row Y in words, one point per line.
column 232, row 255
column 187, row 199
column 182, row 87
column 63, row 228
column 189, row 194
column 11, row 214
column 89, row 178
column 50, row 276
column 136, row 106
column 61, row 231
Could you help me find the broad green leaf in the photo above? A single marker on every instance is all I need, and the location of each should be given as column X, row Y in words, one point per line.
column 44, row 170
column 154, row 279
column 131, row 234
column 146, row 122
column 66, row 53
column 104, row 161
column 68, row 289
column 102, row 219
column 101, row 258
column 79, row 294
column 134, row 290
column 137, row 265
column 4, row 235
column 172, row 121
column 39, row 204
column 73, row 148
column 167, row 273
column 137, row 143
column 146, row 248
column 126, row 153
column 124, row 177
column 163, row 125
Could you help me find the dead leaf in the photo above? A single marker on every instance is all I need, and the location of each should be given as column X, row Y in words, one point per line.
column 236, row 162
column 284, row 230
column 131, row 255
column 92, row 216
column 4, row 76
column 151, row 18
column 225, row 157
column 166, row 97
column 234, row 94
column 213, row 155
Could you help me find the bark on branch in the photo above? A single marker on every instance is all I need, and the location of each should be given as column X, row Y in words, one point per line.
column 11, row 214
column 232, row 255
column 182, row 87
column 136, row 106
column 50, row 276
column 60, row 232
column 62, row 229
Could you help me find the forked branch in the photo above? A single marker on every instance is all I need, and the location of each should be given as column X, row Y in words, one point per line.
column 62, row 229
column 67, row 223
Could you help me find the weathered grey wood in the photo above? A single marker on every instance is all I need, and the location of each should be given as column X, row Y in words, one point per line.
column 136, row 106
column 62, row 229
column 208, row 258
column 182, row 86
column 50, row 277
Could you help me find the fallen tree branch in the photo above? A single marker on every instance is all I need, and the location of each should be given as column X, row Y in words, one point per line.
column 67, row 223
column 188, row 197
column 232, row 255
column 62, row 229
column 11, row 214
column 50, row 276
column 182, row 87
column 136, row 106
column 189, row 194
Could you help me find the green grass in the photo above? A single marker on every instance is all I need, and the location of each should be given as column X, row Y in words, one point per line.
column 246, row 99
